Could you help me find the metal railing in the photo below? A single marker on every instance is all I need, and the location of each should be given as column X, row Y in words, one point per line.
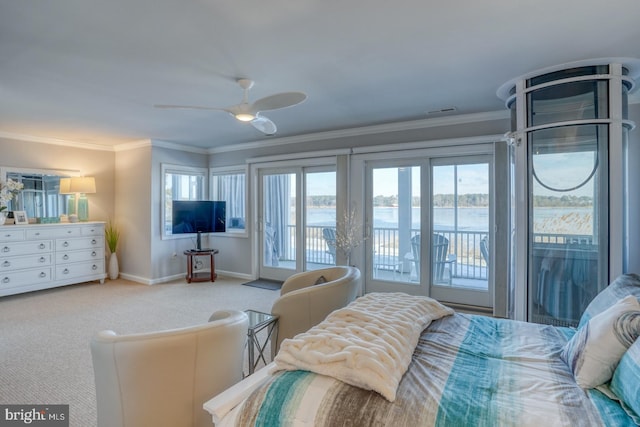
column 463, row 245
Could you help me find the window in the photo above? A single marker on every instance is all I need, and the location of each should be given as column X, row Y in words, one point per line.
column 180, row 183
column 231, row 186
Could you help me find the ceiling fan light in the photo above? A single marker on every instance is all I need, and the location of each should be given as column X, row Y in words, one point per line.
column 245, row 117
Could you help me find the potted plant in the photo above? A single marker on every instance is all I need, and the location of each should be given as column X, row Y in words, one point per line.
column 112, row 235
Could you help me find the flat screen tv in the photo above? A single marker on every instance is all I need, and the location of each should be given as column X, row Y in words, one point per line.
column 198, row 216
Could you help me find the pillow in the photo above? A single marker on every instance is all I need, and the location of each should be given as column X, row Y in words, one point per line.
column 626, row 381
column 368, row 344
column 595, row 350
column 320, row 280
column 626, row 284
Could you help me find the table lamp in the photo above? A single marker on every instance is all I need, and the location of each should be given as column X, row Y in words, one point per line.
column 83, row 185
column 65, row 188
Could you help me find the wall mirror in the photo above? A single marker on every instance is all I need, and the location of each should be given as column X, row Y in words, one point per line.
column 40, row 197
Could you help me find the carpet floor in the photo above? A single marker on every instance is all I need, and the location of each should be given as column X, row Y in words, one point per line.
column 44, row 335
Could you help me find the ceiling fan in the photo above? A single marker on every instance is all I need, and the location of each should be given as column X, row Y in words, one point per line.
column 250, row 112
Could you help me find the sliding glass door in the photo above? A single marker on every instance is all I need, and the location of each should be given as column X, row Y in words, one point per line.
column 297, row 219
column 439, row 248
column 460, row 239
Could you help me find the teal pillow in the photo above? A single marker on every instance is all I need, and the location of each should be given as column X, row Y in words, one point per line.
column 625, row 284
column 626, row 381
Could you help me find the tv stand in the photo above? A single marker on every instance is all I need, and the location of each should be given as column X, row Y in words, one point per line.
column 193, row 276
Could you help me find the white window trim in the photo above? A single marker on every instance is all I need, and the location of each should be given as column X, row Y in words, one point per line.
column 177, row 169
column 226, row 170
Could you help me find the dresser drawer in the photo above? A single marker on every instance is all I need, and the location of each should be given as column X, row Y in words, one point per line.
column 9, row 235
column 63, row 257
column 67, row 232
column 68, row 271
column 92, row 230
column 26, row 261
column 40, row 233
column 24, row 277
column 80, row 243
column 25, row 248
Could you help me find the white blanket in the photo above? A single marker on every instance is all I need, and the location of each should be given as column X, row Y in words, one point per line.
column 367, row 344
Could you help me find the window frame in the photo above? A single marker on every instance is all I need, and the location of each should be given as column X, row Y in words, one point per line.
column 172, row 169
column 232, row 170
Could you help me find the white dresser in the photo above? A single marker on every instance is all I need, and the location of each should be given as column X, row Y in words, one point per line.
column 41, row 256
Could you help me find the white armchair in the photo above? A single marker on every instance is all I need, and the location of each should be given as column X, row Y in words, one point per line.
column 162, row 379
column 307, row 298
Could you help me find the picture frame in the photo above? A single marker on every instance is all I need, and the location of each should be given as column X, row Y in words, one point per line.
column 20, row 217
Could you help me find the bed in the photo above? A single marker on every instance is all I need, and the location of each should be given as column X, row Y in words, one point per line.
column 461, row 369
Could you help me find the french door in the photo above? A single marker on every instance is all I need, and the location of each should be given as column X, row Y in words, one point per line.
column 297, row 211
column 428, row 227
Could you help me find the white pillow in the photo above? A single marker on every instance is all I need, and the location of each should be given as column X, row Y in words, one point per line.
column 596, row 349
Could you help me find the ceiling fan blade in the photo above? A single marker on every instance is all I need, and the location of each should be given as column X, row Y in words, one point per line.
column 279, row 100
column 188, row 107
column 264, row 125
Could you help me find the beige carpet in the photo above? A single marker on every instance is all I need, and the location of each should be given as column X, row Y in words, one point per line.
column 44, row 336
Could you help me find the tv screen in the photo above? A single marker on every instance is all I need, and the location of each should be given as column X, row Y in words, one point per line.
column 193, row 216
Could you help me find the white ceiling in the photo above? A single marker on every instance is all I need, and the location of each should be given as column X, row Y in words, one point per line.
column 91, row 71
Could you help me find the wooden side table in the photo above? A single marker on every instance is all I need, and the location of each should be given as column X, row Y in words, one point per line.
column 201, row 277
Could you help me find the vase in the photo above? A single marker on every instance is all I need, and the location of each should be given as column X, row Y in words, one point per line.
column 3, row 218
column 114, row 270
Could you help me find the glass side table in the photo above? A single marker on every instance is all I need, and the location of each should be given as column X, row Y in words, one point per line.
column 257, row 322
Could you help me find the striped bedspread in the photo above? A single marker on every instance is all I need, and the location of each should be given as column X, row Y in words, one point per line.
column 466, row 371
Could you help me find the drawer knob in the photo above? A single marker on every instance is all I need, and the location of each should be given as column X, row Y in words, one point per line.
column 65, row 257
column 6, row 264
column 94, row 267
column 6, row 280
column 6, row 249
column 43, row 274
column 42, row 259
column 65, row 271
column 93, row 253
column 94, row 241
column 42, row 246
column 65, row 244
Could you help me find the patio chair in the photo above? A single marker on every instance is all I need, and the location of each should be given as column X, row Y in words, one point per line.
column 439, row 255
column 329, row 235
column 484, row 249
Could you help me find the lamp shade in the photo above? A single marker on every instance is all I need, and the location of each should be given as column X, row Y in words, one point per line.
column 83, row 184
column 65, row 186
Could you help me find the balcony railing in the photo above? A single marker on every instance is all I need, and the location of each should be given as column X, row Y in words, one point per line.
column 464, row 245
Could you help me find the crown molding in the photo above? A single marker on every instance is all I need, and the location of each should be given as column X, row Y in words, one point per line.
column 180, row 147
column 368, row 130
column 54, row 141
column 311, row 137
column 132, row 145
